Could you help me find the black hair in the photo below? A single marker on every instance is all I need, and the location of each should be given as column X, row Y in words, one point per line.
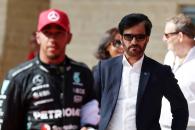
column 102, row 52
column 133, row 19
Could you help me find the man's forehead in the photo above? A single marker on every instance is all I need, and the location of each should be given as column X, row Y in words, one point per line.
column 138, row 28
column 170, row 27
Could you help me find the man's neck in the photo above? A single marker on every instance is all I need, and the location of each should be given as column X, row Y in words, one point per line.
column 47, row 60
column 132, row 60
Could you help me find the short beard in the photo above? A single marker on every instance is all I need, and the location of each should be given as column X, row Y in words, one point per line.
column 52, row 57
column 134, row 53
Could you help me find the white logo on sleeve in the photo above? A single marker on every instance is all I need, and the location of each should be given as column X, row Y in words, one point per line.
column 4, row 86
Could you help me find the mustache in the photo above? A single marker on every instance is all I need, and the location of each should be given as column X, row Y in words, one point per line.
column 132, row 46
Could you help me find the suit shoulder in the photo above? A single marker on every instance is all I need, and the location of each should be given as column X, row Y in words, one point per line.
column 155, row 62
column 111, row 61
column 157, row 65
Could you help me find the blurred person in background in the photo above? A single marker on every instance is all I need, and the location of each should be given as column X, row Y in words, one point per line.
column 33, row 47
column 179, row 34
column 110, row 45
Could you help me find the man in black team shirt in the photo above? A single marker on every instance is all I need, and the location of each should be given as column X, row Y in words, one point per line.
column 51, row 92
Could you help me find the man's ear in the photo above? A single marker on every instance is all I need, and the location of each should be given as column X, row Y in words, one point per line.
column 147, row 39
column 181, row 36
column 69, row 38
column 121, row 38
column 37, row 38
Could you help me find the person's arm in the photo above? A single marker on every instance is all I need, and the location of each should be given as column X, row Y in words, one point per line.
column 97, row 87
column 10, row 106
column 90, row 110
column 90, row 115
column 178, row 103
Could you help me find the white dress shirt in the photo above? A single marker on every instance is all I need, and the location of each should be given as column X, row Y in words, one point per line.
column 124, row 117
column 185, row 74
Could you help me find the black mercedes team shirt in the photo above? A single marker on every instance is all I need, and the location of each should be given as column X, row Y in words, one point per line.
column 36, row 96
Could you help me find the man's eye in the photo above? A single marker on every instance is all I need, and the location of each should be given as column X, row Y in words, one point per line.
column 46, row 32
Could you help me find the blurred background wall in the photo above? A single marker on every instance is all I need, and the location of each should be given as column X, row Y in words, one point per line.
column 89, row 20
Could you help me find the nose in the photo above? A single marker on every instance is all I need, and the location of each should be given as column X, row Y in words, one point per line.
column 51, row 39
column 120, row 50
column 120, row 47
column 134, row 41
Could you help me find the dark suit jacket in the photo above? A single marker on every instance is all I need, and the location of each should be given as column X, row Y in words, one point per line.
column 156, row 81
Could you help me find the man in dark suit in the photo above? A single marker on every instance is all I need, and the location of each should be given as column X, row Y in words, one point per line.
column 130, row 87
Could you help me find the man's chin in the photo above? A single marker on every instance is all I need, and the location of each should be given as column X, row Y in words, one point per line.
column 135, row 54
column 52, row 56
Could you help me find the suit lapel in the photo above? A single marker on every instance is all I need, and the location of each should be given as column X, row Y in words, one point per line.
column 114, row 82
column 144, row 77
column 115, row 78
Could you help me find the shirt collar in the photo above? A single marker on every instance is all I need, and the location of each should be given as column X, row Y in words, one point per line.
column 190, row 55
column 136, row 65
